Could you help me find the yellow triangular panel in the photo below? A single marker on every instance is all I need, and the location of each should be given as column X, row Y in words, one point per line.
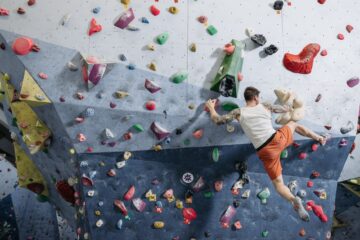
column 27, row 171
column 31, row 92
column 34, row 131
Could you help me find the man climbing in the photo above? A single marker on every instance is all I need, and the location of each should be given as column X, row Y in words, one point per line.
column 255, row 120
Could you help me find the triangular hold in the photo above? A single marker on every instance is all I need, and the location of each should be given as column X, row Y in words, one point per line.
column 29, row 175
column 94, row 70
column 31, row 93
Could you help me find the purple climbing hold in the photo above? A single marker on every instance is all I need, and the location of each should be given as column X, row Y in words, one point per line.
column 125, row 19
column 353, row 82
column 96, row 73
column 159, row 131
column 151, row 86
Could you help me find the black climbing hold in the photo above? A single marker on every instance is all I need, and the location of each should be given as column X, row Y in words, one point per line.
column 226, row 86
column 2, row 46
column 178, row 131
column 236, row 203
column 122, row 57
column 207, row 234
column 270, row 50
column 259, row 39
column 278, row 5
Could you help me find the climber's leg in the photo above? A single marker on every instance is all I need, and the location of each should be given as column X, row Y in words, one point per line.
column 303, row 131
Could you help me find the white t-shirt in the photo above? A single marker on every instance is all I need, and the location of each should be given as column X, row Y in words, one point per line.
column 256, row 123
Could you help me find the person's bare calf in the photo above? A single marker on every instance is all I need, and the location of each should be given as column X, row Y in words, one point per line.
column 304, row 131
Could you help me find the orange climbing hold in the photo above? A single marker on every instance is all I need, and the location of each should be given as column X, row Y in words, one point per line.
column 198, row 133
column 303, row 62
column 94, row 27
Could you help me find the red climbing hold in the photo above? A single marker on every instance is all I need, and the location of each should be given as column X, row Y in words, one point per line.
column 296, row 145
column 328, row 127
column 66, row 191
column 310, row 184
column 302, row 156
column 22, row 45
column 321, row 1
column 90, row 149
column 150, row 105
column 43, row 75
column 349, row 28
column 86, row 181
column 127, row 136
column 198, row 133
column 340, row 36
column 37, row 188
column 315, row 174
column 31, row 2
column 302, row 232
column 94, row 27
column 229, row 49
column 130, row 193
column 121, row 206
column 154, row 10
column 318, row 211
column 189, row 215
column 324, row 53
column 314, row 147
column 352, row 148
column 303, row 62
column 237, row 225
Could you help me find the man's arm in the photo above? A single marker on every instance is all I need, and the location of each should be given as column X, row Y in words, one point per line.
column 276, row 108
column 216, row 118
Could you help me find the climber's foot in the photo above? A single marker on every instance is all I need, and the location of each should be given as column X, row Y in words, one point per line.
column 303, row 214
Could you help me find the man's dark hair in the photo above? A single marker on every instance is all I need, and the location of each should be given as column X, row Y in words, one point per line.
column 250, row 93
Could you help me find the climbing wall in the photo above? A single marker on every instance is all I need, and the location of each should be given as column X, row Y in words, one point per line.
column 100, row 146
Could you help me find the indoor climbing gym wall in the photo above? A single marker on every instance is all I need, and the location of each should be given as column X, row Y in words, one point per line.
column 105, row 103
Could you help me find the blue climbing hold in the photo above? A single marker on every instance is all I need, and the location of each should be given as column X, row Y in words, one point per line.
column 96, row 10
column 131, row 66
column 145, row 20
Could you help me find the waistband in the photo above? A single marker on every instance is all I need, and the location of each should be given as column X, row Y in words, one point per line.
column 266, row 142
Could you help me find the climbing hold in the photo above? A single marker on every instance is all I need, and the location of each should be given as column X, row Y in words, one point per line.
column 121, row 94
column 321, row 193
column 159, row 224
column 2, row 46
column 138, row 127
column 22, row 45
column 62, row 99
column 198, row 133
column 169, row 195
column 284, row 154
column 150, row 105
column 127, row 155
column 328, row 127
column 278, row 5
column 314, row 147
column 159, row 131
column 264, row 195
column 318, row 98
column 352, row 82
column 42, row 75
column 270, row 50
column 120, row 164
column 207, row 234
column 179, row 77
column 152, row 66
column 340, row 36
column 303, row 62
column 302, row 155
column 94, row 27
column 173, row 10
column 302, row 232
column 321, row 1
column 122, row 57
column 218, row 185
column 347, row 128
column 193, row 47
column 343, row 142
column 162, row 38
column 227, row 216
column 20, row 11
column 301, row 193
column 349, row 28
column 309, row 184
column 324, row 53
column 108, row 134
column 203, row 19
column 215, row 154
column 127, row 136
column 31, row 2
column 145, row 20
column 81, row 137
column 154, row 10
column 4, row 12
column 318, row 211
column 99, row 223
column 111, row 173
column 86, row 181
column 139, row 204
column 119, row 224
column 89, row 112
column 229, row 106
column 265, row 233
column 151, row 47
column 65, row 19
column 121, row 206
column 259, row 39
column 91, row 193
column 125, row 19
column 292, row 185
column 189, row 215
column 229, row 48
column 211, row 30
column 179, row 204
column 72, row 66
column 237, row 225
column 187, row 178
column 246, row 194
column 125, row 2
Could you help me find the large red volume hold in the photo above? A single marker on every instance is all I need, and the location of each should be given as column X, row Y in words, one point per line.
column 303, row 62
column 66, row 191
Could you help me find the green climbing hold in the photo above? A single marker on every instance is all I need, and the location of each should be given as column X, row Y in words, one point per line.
column 229, row 106
column 264, row 195
column 284, row 154
column 265, row 233
column 42, row 198
column 208, row 194
column 138, row 127
column 179, row 77
column 211, row 30
column 187, row 142
column 162, row 38
column 215, row 154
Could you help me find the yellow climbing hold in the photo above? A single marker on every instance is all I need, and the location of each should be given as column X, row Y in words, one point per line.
column 72, row 151
column 151, row 47
column 159, row 224
column 157, row 148
column 173, row 10
column 152, row 66
column 121, row 94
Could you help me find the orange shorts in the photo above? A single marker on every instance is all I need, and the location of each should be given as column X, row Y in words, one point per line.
column 270, row 153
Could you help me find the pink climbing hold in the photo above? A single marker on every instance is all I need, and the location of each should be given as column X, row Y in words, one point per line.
column 310, row 184
column 318, row 210
column 352, row 82
column 240, row 76
column 349, row 28
column 4, row 12
column 198, row 133
column 22, row 45
column 130, row 193
column 90, row 149
column 154, row 10
column 302, row 156
column 229, row 49
column 94, row 27
column 43, row 75
column 150, row 105
column 151, row 86
column 314, row 147
column 125, row 19
column 324, row 53
column 340, row 36
column 203, row 19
